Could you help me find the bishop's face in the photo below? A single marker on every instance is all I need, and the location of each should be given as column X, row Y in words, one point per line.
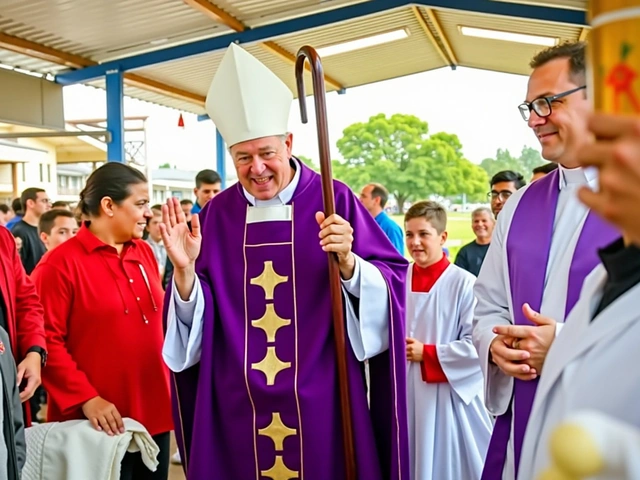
column 263, row 166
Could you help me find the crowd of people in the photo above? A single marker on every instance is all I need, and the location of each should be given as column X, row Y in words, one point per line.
column 214, row 318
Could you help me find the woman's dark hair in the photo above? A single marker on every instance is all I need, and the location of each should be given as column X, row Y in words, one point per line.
column 112, row 180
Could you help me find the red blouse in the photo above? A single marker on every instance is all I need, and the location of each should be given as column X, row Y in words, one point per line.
column 103, row 322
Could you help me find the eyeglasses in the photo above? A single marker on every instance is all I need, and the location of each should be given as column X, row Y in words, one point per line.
column 542, row 105
column 502, row 194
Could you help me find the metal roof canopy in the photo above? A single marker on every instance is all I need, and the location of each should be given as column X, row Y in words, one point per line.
column 166, row 51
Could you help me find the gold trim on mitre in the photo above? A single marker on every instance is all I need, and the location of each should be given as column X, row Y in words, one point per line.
column 246, row 100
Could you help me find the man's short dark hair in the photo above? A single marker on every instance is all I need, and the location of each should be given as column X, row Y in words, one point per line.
column 208, row 177
column 4, row 208
column 16, row 206
column 186, row 201
column 157, row 206
column 48, row 219
column 573, row 51
column 508, row 176
column 378, row 191
column 60, row 204
column 546, row 168
column 29, row 194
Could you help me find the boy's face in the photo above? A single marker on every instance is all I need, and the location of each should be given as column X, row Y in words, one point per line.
column 63, row 229
column 424, row 242
column 153, row 227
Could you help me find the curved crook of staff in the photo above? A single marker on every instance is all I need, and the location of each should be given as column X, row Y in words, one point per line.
column 317, row 74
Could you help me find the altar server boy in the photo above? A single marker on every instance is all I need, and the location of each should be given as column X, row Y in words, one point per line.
column 449, row 426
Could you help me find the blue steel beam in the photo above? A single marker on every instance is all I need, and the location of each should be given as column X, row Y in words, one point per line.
column 115, row 116
column 221, row 158
column 288, row 27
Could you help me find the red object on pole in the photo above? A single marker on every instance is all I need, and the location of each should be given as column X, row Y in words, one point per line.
column 180, row 121
column 317, row 74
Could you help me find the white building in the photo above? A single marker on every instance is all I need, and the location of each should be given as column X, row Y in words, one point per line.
column 71, row 180
column 34, row 162
column 169, row 182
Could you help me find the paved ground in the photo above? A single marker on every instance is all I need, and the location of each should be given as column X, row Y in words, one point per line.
column 175, row 471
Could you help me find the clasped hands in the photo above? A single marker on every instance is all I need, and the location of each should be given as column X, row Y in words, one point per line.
column 520, row 350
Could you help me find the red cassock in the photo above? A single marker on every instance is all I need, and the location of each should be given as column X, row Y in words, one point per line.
column 103, row 322
column 423, row 280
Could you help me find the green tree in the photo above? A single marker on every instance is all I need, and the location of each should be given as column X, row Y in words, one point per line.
column 398, row 152
column 308, row 162
column 165, row 165
column 528, row 160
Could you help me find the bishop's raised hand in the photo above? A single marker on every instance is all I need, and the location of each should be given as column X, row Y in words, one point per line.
column 182, row 244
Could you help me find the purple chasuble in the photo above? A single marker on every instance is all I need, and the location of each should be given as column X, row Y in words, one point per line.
column 528, row 246
column 263, row 401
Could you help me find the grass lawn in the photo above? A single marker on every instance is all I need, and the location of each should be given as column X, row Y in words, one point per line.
column 458, row 227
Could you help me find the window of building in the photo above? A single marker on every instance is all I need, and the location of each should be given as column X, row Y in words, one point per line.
column 41, row 173
column 24, row 172
column 48, row 173
column 177, row 194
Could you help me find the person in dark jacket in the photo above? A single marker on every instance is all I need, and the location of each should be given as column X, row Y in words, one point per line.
column 13, row 449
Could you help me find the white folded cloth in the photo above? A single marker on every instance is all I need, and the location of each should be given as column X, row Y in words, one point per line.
column 74, row 450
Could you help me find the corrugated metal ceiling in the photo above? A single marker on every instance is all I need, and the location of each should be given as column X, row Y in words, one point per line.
column 88, row 28
column 572, row 4
column 19, row 61
column 501, row 56
column 99, row 29
column 260, row 12
column 350, row 69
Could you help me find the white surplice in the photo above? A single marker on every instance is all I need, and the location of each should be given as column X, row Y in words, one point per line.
column 367, row 328
column 592, row 365
column 493, row 289
column 449, row 427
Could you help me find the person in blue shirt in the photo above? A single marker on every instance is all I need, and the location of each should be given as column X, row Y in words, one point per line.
column 374, row 198
column 16, row 206
column 208, row 185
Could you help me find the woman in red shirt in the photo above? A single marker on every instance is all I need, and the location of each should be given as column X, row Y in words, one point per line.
column 102, row 298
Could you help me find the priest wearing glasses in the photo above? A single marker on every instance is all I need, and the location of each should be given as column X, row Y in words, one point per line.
column 249, row 323
column 544, row 245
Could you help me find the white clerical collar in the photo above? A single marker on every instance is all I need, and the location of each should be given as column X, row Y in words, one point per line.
column 284, row 196
column 576, row 176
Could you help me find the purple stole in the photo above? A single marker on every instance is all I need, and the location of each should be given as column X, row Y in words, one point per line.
column 528, row 246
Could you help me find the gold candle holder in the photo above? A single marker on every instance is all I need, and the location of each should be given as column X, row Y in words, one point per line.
column 614, row 56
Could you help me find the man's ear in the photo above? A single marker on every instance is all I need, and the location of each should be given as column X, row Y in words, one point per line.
column 288, row 143
column 44, row 237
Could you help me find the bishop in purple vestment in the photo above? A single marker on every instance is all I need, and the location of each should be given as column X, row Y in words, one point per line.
column 249, row 323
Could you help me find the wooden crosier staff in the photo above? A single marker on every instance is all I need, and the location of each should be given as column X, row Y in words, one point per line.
column 317, row 75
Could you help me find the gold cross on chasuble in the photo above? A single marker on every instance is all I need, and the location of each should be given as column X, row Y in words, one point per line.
column 268, row 280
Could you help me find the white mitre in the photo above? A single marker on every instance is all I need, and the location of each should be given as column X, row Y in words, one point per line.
column 246, row 100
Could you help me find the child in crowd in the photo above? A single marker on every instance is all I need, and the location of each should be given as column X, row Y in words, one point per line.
column 449, row 427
